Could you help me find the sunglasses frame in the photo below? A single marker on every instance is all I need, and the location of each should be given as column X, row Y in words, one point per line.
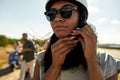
column 52, row 15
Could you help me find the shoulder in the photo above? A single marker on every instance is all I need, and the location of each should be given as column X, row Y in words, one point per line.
column 40, row 56
column 108, row 64
column 104, row 57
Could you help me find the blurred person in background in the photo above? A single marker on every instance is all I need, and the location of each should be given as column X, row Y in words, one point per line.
column 46, row 44
column 27, row 64
column 14, row 58
column 36, row 48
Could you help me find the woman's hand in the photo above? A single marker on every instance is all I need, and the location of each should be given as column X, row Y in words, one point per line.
column 88, row 39
column 60, row 49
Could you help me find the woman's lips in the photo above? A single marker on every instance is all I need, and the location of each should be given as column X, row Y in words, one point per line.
column 58, row 28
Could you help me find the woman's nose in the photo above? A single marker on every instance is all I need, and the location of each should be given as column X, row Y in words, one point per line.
column 58, row 18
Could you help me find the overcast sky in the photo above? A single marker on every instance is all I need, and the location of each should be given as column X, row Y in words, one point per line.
column 19, row 16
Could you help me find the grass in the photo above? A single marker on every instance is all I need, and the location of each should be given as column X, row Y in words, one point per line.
column 2, row 63
column 4, row 53
column 118, row 76
column 3, row 60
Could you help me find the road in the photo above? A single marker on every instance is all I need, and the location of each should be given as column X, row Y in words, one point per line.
column 15, row 74
column 11, row 76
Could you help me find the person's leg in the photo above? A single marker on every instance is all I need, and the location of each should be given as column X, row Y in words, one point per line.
column 11, row 67
column 31, row 68
column 22, row 70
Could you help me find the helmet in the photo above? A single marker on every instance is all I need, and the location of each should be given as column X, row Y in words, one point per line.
column 83, row 2
column 82, row 6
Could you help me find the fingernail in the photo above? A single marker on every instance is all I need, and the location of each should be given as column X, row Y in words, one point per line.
column 74, row 31
column 76, row 41
column 78, row 28
column 72, row 37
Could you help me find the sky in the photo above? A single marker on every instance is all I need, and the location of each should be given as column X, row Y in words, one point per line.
column 19, row 16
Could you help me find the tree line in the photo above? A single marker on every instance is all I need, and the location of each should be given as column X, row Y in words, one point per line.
column 6, row 40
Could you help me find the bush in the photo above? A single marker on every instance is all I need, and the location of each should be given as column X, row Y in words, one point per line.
column 3, row 40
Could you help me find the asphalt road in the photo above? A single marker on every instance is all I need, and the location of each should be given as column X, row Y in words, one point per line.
column 11, row 76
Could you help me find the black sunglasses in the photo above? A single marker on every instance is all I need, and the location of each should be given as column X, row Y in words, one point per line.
column 65, row 12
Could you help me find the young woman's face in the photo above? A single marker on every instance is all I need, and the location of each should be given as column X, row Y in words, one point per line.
column 62, row 27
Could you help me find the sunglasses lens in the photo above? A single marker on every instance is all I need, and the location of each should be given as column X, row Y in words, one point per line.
column 66, row 13
column 50, row 15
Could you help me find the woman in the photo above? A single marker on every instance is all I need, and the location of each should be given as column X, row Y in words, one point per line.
column 71, row 54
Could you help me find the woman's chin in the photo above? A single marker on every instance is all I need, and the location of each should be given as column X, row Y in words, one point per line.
column 62, row 35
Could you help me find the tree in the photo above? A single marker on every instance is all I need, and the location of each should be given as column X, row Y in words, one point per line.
column 3, row 40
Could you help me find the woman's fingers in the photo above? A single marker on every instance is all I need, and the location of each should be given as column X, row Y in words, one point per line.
column 88, row 40
column 86, row 32
column 61, row 48
column 63, row 44
column 93, row 35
